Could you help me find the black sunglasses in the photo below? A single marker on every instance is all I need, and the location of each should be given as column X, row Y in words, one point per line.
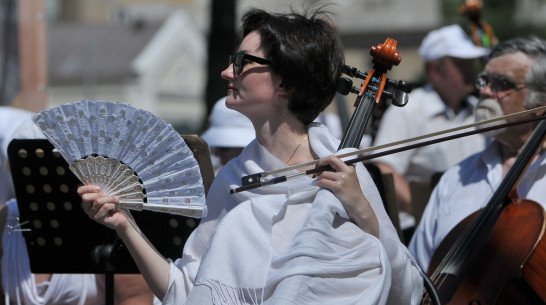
column 240, row 59
column 497, row 83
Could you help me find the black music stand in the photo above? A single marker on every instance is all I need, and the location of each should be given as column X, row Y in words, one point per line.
column 62, row 239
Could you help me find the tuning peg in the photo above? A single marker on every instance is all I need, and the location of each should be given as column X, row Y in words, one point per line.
column 353, row 72
column 397, row 91
column 345, row 86
column 400, row 98
column 402, row 85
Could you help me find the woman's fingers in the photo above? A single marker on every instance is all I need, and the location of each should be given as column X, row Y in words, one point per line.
column 346, row 187
column 104, row 210
column 336, row 163
column 343, row 182
column 101, row 207
column 342, row 172
column 88, row 189
column 93, row 201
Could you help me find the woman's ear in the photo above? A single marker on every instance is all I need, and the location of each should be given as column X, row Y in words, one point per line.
column 281, row 87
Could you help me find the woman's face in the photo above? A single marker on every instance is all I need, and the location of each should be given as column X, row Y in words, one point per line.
column 252, row 91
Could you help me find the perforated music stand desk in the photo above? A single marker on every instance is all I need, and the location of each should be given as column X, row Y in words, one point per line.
column 62, row 237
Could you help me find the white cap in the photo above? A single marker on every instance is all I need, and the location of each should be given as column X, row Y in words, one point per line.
column 228, row 128
column 449, row 41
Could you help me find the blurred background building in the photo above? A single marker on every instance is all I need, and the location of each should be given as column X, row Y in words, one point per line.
column 166, row 55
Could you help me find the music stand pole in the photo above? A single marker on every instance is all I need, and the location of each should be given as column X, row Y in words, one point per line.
column 103, row 256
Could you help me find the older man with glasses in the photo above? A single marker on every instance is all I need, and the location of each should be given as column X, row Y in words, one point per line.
column 514, row 80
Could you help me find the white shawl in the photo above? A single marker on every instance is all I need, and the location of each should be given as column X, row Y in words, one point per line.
column 290, row 243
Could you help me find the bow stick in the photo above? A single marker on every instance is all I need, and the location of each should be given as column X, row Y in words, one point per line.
column 265, row 180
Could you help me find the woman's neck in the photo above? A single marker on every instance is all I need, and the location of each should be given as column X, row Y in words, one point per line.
column 286, row 140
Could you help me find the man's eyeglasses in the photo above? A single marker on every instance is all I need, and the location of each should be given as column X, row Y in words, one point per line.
column 240, row 59
column 498, row 83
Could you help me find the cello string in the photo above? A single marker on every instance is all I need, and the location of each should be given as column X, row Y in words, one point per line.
column 429, row 135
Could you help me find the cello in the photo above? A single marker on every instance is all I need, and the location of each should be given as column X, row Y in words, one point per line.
column 489, row 257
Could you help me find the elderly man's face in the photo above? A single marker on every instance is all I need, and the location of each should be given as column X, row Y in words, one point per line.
column 505, row 77
column 504, row 89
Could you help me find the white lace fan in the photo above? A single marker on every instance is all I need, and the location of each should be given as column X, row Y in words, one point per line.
column 129, row 152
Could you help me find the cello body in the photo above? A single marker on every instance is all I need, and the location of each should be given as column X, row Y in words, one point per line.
column 506, row 268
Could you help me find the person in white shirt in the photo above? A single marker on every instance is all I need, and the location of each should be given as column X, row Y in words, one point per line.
column 444, row 102
column 325, row 240
column 11, row 119
column 514, row 80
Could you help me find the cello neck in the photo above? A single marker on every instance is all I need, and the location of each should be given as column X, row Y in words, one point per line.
column 357, row 125
column 384, row 57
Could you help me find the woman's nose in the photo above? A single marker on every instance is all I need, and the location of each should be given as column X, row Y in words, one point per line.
column 228, row 74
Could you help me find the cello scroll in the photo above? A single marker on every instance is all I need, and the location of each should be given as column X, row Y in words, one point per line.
column 385, row 56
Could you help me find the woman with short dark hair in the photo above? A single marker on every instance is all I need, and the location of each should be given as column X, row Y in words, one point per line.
column 291, row 243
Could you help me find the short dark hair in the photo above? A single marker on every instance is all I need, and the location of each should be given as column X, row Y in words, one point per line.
column 305, row 51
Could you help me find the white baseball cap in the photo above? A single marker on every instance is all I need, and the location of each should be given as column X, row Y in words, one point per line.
column 449, row 41
column 228, row 128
